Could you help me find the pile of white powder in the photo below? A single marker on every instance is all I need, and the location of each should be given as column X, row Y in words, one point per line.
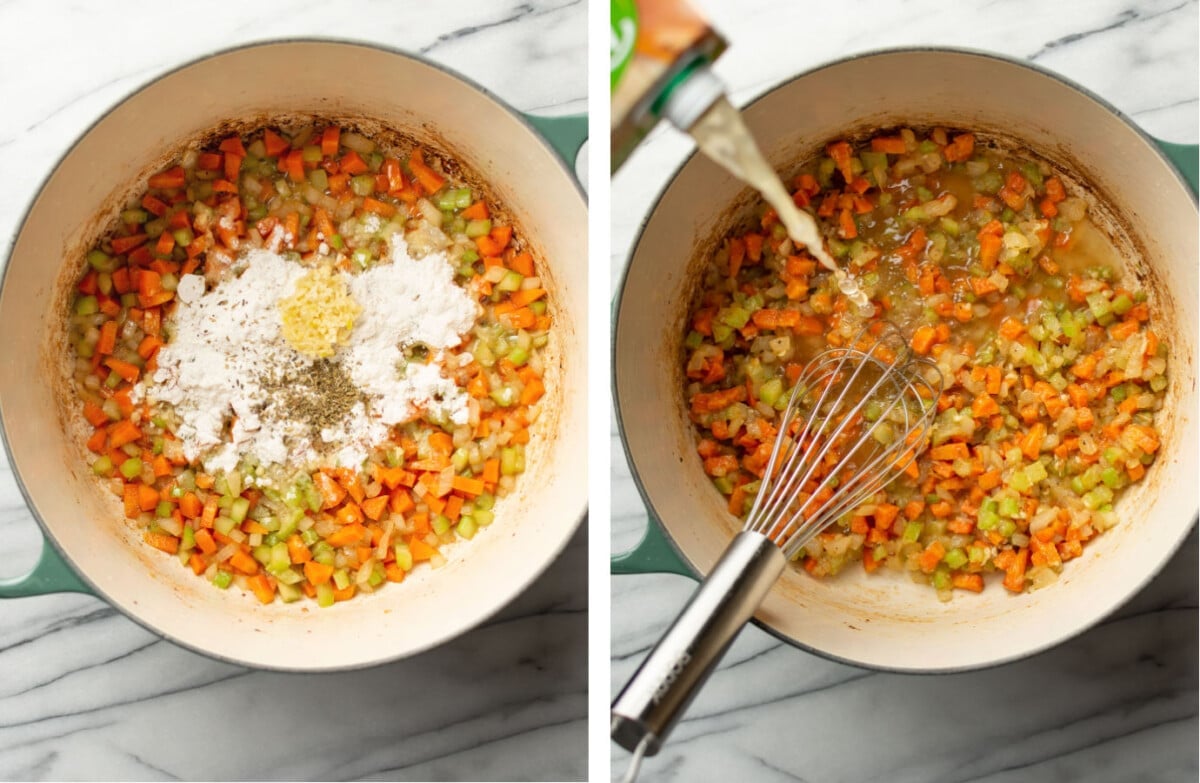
column 222, row 343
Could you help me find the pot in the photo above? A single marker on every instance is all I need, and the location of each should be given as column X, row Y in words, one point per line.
column 90, row 547
column 885, row 621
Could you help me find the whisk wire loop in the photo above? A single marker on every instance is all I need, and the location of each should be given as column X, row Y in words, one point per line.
column 856, row 418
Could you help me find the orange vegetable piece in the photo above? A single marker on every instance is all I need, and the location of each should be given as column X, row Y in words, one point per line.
column 244, row 562
column 162, row 541
column 317, row 573
column 347, row 535
column 298, row 551
column 374, row 507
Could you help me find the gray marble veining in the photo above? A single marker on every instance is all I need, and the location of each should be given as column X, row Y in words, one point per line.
column 1116, row 704
column 87, row 694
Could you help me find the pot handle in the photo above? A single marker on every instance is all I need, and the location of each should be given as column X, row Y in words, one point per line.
column 654, row 554
column 1186, row 158
column 50, row 575
column 566, row 134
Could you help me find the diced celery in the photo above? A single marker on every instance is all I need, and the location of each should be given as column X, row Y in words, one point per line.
column 280, row 559
column 224, row 525
column 86, row 305
column 1008, row 507
column 509, row 460
column 403, row 556
column 132, row 467
column 771, row 391
column 1100, row 307
column 325, row 597
column 1007, row 528
column 222, row 579
column 483, row 517
column 311, row 154
column 319, row 180
column 323, row 553
column 288, row 593
column 101, row 262
column 310, row 537
column 466, row 527
column 1122, row 304
column 238, row 509
column 341, row 578
column 510, row 282
column 440, row 524
column 941, row 578
column 163, row 509
column 912, row 532
column 363, row 185
column 103, row 465
column 955, row 558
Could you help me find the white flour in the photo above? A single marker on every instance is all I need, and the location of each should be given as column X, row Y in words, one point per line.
column 222, row 341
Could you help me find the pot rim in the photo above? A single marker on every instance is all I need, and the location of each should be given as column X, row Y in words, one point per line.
column 48, row 536
column 652, row 514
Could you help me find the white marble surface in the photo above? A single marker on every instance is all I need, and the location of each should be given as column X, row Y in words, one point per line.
column 1117, row 704
column 87, row 694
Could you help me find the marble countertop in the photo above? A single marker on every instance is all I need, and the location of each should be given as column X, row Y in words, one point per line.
column 87, row 694
column 1116, row 704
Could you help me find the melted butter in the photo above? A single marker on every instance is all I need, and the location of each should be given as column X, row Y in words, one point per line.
column 724, row 137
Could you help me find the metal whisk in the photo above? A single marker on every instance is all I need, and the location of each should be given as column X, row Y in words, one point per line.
column 857, row 417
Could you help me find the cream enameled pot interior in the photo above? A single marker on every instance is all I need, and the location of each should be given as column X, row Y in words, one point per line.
column 356, row 84
column 886, row 621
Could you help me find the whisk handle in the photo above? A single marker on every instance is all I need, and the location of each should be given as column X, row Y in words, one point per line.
column 663, row 686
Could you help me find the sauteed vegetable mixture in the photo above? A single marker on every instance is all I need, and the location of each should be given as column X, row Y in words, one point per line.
column 266, row 394
column 1054, row 371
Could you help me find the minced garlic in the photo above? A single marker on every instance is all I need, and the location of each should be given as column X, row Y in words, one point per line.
column 319, row 314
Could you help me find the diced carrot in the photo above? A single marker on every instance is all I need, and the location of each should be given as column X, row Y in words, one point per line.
column 243, row 562
column 317, row 573
column 420, row 550
column 330, row 138
column 1014, row 574
column 1011, row 329
column 349, row 514
column 491, row 471
column 1031, row 443
column 174, row 177
column 275, row 144
column 190, row 505
column 378, row 207
column 167, row 543
column 331, row 492
column 922, row 339
column 298, row 551
column 205, row 541
column 128, row 372
column 430, row 180
column 950, row 451
column 477, row 211
column 123, row 432
column 262, row 587
column 373, row 508
column 94, row 414
column 347, row 535
column 892, row 145
column 523, row 263
column 933, row 554
column 972, row 582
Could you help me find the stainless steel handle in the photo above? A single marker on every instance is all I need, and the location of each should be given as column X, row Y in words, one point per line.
column 663, row 686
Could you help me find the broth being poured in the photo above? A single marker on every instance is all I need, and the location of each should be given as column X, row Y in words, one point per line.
column 724, row 137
